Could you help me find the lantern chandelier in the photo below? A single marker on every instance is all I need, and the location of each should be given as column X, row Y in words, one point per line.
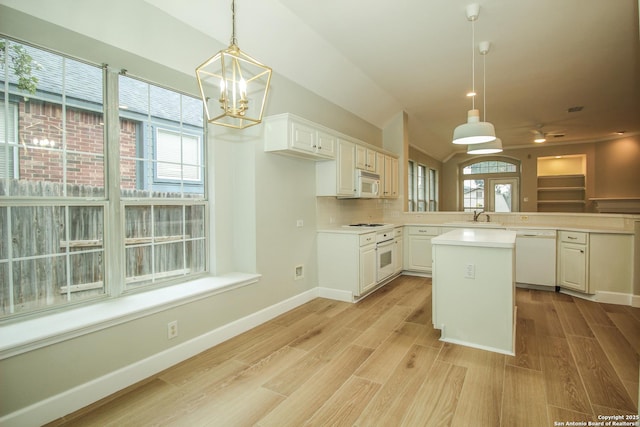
column 474, row 131
column 233, row 85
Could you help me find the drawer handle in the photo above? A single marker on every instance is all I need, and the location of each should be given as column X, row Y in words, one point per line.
column 581, row 251
column 572, row 238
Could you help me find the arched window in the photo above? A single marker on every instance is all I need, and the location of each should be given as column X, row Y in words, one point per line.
column 490, row 184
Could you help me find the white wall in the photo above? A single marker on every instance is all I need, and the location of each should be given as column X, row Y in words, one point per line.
column 256, row 198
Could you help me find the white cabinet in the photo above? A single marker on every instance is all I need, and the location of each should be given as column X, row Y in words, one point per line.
column 346, row 264
column 291, row 135
column 337, row 178
column 573, row 259
column 365, row 158
column 399, row 242
column 417, row 254
column 595, row 262
column 389, row 176
column 367, row 269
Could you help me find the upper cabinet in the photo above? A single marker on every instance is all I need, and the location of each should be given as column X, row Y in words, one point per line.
column 294, row 136
column 389, row 177
column 341, row 155
column 365, row 158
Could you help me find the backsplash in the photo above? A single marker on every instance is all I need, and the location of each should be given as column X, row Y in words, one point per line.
column 331, row 212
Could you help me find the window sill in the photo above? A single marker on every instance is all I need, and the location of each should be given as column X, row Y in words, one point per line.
column 28, row 335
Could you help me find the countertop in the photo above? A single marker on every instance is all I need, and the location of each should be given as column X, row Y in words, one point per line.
column 490, row 238
column 496, row 225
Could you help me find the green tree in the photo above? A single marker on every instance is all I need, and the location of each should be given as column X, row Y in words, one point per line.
column 21, row 63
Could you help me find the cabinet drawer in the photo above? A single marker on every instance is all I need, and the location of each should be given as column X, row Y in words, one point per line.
column 366, row 239
column 427, row 231
column 573, row 237
column 397, row 232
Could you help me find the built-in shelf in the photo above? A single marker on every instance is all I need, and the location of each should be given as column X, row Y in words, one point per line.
column 617, row 205
column 561, row 193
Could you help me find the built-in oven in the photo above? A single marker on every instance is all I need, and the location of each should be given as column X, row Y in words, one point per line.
column 385, row 254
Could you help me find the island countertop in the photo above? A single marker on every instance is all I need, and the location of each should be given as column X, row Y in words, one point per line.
column 490, row 238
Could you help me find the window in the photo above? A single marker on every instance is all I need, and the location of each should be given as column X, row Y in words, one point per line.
column 423, row 184
column 490, row 185
column 161, row 156
column 55, row 202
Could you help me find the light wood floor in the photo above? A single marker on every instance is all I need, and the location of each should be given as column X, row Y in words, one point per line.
column 380, row 363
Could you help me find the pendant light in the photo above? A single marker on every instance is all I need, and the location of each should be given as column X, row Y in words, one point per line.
column 233, row 85
column 474, row 131
column 491, row 147
column 495, row 146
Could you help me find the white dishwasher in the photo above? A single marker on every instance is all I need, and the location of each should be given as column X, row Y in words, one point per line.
column 536, row 258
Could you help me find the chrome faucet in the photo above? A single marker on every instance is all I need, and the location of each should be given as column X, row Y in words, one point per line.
column 477, row 214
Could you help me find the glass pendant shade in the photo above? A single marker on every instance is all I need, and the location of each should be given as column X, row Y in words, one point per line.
column 234, row 88
column 474, row 131
column 492, row 147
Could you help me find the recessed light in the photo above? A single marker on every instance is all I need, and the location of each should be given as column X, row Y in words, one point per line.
column 620, row 132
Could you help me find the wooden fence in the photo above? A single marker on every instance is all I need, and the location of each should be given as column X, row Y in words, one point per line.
column 57, row 252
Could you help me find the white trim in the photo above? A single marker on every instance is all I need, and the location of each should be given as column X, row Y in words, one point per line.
column 30, row 334
column 635, row 301
column 613, row 298
column 78, row 397
column 481, row 347
column 335, row 294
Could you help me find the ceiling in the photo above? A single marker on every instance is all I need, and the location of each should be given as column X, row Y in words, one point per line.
column 377, row 58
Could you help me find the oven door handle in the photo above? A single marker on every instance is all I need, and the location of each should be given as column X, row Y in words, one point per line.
column 384, row 244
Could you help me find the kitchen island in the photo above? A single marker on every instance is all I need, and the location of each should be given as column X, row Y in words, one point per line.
column 474, row 288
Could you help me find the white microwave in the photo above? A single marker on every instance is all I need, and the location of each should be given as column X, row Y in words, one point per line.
column 367, row 185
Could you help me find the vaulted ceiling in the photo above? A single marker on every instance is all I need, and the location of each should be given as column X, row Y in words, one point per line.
column 376, row 58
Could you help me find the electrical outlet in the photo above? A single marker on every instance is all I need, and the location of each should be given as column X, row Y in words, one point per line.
column 470, row 271
column 172, row 329
column 299, row 223
column 298, row 272
column 524, row 218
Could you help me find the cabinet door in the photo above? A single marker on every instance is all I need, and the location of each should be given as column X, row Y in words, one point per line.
column 387, row 182
column 573, row 267
column 419, row 253
column 371, row 161
column 303, row 137
column 326, row 145
column 367, row 268
column 399, row 256
column 361, row 157
column 394, row 178
column 346, row 169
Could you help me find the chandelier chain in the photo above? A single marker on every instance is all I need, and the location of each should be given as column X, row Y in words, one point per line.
column 234, row 40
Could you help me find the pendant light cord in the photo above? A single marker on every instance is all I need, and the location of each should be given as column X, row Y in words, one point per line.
column 473, row 64
column 484, row 87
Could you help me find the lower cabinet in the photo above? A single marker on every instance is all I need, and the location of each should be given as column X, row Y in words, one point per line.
column 346, row 264
column 417, row 253
column 367, row 279
column 573, row 260
column 399, row 258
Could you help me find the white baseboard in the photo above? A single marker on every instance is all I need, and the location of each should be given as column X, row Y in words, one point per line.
column 335, row 294
column 78, row 397
column 635, row 301
column 614, row 298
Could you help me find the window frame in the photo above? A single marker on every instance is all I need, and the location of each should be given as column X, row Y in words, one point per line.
column 111, row 203
column 421, row 198
column 485, row 177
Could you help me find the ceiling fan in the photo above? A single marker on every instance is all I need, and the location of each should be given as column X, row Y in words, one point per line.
column 540, row 135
